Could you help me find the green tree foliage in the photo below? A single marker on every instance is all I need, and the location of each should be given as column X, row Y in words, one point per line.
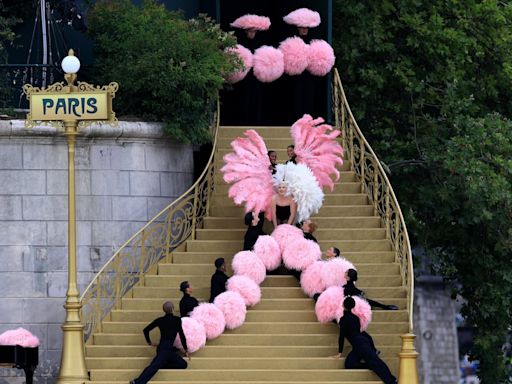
column 168, row 69
column 430, row 84
column 7, row 21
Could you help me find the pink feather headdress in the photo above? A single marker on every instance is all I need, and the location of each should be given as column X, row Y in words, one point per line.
column 317, row 148
column 259, row 23
column 303, row 17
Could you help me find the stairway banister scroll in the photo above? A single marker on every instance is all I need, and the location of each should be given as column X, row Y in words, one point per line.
column 154, row 241
column 367, row 167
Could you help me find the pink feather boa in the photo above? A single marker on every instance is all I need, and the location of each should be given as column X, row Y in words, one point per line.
column 194, row 333
column 303, row 17
column 245, row 56
column 233, row 308
column 301, row 253
column 268, row 64
column 268, row 251
column 295, row 54
column 285, row 234
column 212, row 319
column 333, row 271
column 245, row 287
column 329, row 305
column 19, row 336
column 311, row 279
column 246, row 263
column 321, row 58
column 259, row 23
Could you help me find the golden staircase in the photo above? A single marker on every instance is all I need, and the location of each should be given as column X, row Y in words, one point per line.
column 281, row 341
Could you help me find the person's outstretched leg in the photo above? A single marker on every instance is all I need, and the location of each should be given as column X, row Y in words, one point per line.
column 175, row 361
column 158, row 362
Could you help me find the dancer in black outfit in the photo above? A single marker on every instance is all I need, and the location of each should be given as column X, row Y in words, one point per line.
column 351, row 290
column 362, row 356
column 292, row 157
column 272, row 156
column 187, row 302
column 166, row 354
column 219, row 279
column 254, row 229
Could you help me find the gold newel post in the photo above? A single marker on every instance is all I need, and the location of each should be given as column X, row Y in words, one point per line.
column 71, row 107
column 408, row 365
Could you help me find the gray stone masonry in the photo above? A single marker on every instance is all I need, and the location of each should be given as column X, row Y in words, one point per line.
column 125, row 175
column 436, row 333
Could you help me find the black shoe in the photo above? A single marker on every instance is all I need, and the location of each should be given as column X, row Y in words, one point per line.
column 392, row 307
column 132, row 381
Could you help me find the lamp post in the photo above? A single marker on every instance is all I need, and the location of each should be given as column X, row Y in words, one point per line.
column 70, row 107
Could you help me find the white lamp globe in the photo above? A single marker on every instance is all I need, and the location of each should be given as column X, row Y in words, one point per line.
column 70, row 64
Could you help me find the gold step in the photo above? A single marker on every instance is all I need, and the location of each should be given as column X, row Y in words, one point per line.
column 345, row 176
column 325, row 211
column 330, row 199
column 221, row 189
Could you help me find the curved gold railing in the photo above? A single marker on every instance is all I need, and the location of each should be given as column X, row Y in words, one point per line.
column 153, row 242
column 367, row 167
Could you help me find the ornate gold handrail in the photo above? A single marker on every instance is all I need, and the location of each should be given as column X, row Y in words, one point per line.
column 153, row 242
column 375, row 183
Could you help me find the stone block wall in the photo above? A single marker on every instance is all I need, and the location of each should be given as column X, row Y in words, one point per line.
column 125, row 176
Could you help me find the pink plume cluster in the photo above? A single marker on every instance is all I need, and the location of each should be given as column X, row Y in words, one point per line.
column 286, row 234
column 329, row 305
column 301, row 253
column 194, row 333
column 268, row 64
column 311, row 279
column 246, row 263
column 247, row 168
column 317, row 148
column 233, row 308
column 245, row 287
column 268, row 251
column 259, row 23
column 303, row 17
column 363, row 310
column 19, row 336
column 321, row 58
column 333, row 271
column 295, row 55
column 211, row 318
column 245, row 56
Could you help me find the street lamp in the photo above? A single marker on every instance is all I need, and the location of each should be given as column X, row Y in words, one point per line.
column 71, row 107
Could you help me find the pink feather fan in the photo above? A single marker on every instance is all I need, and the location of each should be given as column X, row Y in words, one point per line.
column 245, row 56
column 268, row 251
column 233, row 308
column 333, row 271
column 268, row 64
column 311, row 279
column 300, row 254
column 329, row 305
column 316, row 147
column 246, row 263
column 295, row 54
column 303, row 17
column 212, row 319
column 285, row 234
column 246, row 287
column 363, row 310
column 259, row 23
column 194, row 333
column 19, row 336
column 321, row 58
column 247, row 168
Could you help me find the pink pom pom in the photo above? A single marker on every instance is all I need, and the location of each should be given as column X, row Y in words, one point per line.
column 245, row 287
column 268, row 64
column 311, row 279
column 259, row 23
column 295, row 53
column 300, row 254
column 246, row 263
column 303, row 17
column 19, row 336
column 321, row 58
column 246, row 57
column 285, row 234
column 233, row 308
column 211, row 318
column 363, row 310
column 333, row 271
column 268, row 251
column 329, row 305
column 194, row 333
